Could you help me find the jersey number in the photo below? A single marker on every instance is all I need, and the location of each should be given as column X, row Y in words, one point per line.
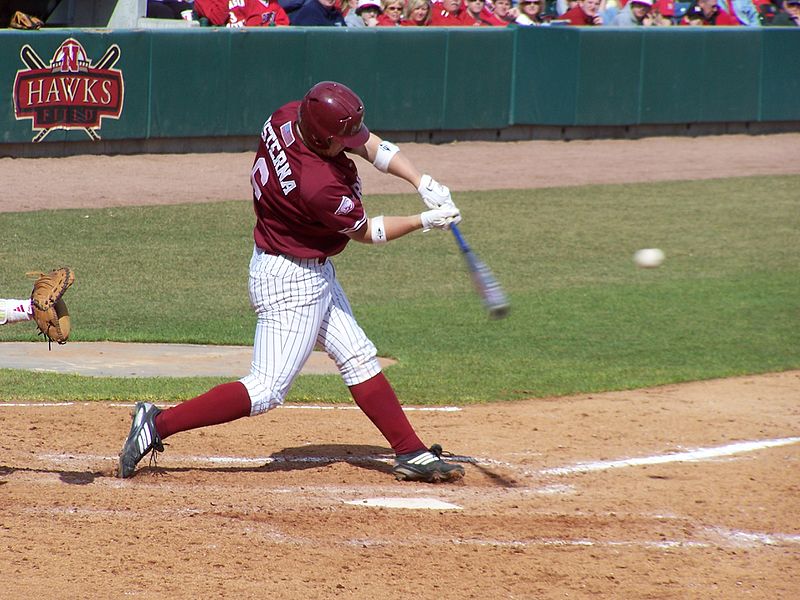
column 260, row 171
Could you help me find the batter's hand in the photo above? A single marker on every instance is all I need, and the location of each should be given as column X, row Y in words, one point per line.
column 434, row 194
column 440, row 218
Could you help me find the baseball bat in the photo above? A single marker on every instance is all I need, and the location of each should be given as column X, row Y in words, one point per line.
column 488, row 288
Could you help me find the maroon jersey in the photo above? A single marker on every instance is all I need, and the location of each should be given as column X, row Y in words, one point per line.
column 305, row 204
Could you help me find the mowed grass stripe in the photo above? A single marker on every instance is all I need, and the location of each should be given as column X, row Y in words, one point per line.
column 584, row 318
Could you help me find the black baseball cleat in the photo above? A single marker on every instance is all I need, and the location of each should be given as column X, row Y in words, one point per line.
column 142, row 439
column 426, row 465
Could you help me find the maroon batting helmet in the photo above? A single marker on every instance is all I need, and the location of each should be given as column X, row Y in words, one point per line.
column 332, row 112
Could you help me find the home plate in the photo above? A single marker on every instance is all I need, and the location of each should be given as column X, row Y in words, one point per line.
column 413, row 503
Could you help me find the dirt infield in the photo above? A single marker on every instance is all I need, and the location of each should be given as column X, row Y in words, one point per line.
column 602, row 496
column 676, row 492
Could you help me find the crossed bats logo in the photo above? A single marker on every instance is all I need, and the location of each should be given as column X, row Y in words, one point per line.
column 71, row 92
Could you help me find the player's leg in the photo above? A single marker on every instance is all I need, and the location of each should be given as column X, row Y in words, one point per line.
column 151, row 425
column 289, row 298
column 15, row 311
column 355, row 355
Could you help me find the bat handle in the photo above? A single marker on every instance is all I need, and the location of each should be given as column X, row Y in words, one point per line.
column 462, row 243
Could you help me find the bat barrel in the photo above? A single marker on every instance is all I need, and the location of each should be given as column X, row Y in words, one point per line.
column 488, row 288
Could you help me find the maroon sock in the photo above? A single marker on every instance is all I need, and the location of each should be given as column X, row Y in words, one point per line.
column 226, row 402
column 377, row 399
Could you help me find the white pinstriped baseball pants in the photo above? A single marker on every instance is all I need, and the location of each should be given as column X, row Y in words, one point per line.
column 299, row 303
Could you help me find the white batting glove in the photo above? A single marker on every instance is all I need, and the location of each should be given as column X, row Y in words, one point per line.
column 440, row 218
column 434, row 194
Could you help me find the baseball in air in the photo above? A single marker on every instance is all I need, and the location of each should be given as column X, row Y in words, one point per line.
column 648, row 258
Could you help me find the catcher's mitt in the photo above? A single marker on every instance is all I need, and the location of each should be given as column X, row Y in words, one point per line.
column 49, row 310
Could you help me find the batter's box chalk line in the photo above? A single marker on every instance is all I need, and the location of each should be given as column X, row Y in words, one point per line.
column 697, row 455
column 407, row 503
column 748, row 539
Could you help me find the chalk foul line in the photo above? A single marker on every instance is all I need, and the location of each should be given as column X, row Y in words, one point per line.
column 688, row 456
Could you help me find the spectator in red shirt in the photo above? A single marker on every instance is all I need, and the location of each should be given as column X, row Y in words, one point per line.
column 417, row 13
column 392, row 13
column 216, row 12
column 563, row 6
column 448, row 13
column 706, row 12
column 504, row 12
column 256, row 13
column 586, row 12
column 476, row 14
column 487, row 15
column 664, row 11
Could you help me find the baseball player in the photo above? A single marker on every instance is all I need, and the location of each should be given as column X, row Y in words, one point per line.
column 307, row 200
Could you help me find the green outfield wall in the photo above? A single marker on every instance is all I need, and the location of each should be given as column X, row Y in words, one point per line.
column 83, row 89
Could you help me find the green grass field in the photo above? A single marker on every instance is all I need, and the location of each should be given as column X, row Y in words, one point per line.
column 584, row 318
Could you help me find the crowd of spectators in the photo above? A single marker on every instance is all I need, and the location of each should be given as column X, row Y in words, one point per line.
column 480, row 13
column 459, row 13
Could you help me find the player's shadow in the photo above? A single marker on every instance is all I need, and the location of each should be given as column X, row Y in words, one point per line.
column 499, row 479
column 300, row 458
column 70, row 477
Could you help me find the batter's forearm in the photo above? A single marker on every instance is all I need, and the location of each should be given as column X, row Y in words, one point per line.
column 380, row 230
column 393, row 227
column 402, row 167
column 387, row 158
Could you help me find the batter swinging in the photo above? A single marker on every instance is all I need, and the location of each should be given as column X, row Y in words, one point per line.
column 307, row 200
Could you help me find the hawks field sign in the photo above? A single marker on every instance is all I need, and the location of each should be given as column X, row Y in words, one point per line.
column 71, row 92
